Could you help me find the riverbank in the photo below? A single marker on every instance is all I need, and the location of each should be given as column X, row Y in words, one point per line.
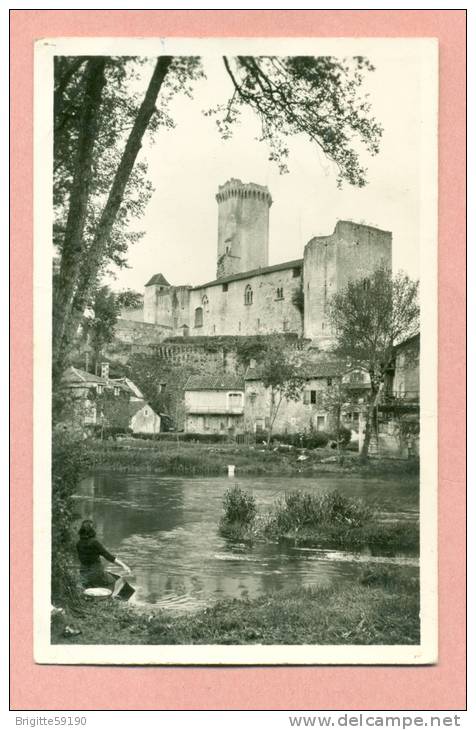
column 381, row 608
column 170, row 458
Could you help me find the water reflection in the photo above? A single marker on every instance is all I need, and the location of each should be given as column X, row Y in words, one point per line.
column 166, row 529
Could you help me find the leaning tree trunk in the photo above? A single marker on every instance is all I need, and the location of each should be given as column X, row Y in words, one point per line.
column 97, row 250
column 72, row 247
column 94, row 257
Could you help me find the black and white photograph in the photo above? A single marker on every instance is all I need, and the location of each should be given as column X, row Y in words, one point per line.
column 235, row 351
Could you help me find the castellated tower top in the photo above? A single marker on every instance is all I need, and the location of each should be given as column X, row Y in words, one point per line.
column 236, row 188
column 243, row 227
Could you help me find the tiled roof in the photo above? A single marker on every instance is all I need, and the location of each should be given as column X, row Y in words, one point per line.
column 254, row 272
column 158, row 279
column 75, row 375
column 308, row 370
column 215, row 382
column 135, row 406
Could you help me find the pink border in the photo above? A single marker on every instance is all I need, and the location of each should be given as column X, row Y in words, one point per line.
column 80, row 688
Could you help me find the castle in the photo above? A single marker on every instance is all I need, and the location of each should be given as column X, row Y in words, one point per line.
column 249, row 297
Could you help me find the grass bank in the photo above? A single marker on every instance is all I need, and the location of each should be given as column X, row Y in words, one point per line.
column 170, row 458
column 381, row 608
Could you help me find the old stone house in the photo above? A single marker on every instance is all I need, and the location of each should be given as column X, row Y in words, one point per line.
column 214, row 404
column 331, row 393
column 94, row 401
column 142, row 418
column 398, row 418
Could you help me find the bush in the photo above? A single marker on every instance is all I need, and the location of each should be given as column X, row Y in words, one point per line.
column 306, row 440
column 206, row 438
column 343, row 435
column 303, row 510
column 239, row 506
column 69, row 459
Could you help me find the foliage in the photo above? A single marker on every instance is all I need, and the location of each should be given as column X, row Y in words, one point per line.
column 203, row 438
column 129, row 299
column 297, row 299
column 300, row 510
column 305, row 440
column 100, row 185
column 343, row 436
column 69, row 460
column 317, row 97
column 369, row 316
column 98, row 329
column 239, row 506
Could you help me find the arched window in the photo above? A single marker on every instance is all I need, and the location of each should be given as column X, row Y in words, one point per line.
column 198, row 317
column 205, row 303
column 248, row 294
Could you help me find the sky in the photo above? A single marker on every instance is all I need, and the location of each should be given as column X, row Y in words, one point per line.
column 188, row 163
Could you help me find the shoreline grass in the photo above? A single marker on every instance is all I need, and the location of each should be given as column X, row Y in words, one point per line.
column 325, row 520
column 381, row 608
column 198, row 459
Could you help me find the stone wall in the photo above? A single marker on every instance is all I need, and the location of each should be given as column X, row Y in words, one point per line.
column 140, row 333
column 227, row 311
column 293, row 416
column 352, row 251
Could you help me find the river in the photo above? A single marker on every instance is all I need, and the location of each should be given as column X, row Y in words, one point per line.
column 166, row 530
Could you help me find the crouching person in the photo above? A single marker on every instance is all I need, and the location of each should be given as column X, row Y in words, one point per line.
column 90, row 551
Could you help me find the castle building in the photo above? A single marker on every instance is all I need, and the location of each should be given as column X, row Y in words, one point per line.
column 250, row 297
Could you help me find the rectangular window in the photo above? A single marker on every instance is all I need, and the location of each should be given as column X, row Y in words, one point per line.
column 224, row 287
column 285, row 325
column 306, row 396
column 296, row 272
column 329, row 382
column 313, row 396
column 320, row 423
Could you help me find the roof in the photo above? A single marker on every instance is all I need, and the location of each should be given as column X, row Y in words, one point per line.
column 215, row 382
column 308, row 370
column 129, row 384
column 158, row 279
column 137, row 405
column 75, row 375
column 409, row 342
column 297, row 263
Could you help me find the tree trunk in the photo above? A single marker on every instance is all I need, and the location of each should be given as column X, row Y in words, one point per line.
column 91, row 261
column 369, row 423
column 78, row 202
column 96, row 252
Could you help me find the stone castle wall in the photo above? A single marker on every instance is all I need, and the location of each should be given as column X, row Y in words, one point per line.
column 352, row 251
column 260, row 304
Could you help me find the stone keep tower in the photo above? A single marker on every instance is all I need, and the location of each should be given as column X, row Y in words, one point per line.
column 243, row 227
column 352, row 251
